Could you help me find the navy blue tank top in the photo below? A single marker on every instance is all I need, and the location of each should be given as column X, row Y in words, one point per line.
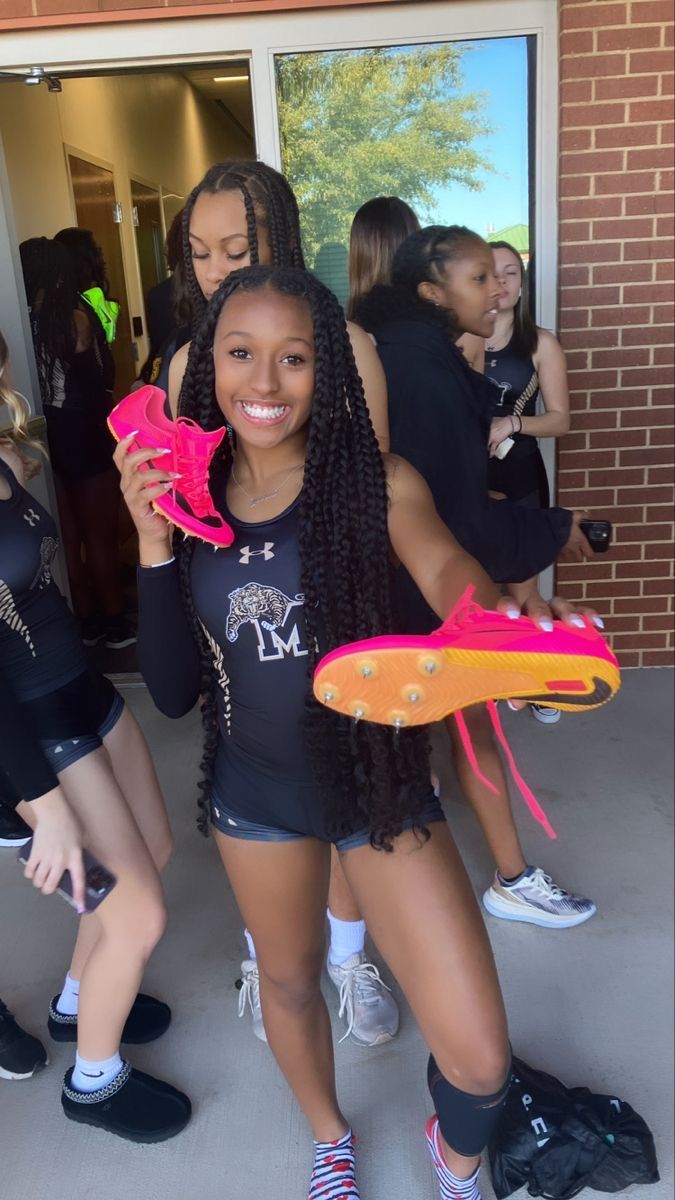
column 249, row 601
column 40, row 647
column 522, row 471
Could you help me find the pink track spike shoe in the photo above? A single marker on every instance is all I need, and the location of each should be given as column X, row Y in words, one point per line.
column 189, row 504
column 475, row 656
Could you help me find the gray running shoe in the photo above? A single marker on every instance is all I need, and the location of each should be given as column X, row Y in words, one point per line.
column 536, row 899
column 366, row 1002
column 546, row 715
column 249, row 996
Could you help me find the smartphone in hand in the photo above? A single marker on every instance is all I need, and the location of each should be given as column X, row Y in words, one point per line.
column 98, row 883
column 598, row 534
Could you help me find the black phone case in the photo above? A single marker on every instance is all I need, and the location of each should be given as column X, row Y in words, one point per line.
column 99, row 881
column 598, row 534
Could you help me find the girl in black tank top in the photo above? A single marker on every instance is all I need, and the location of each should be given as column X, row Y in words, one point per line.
column 523, row 362
column 315, row 512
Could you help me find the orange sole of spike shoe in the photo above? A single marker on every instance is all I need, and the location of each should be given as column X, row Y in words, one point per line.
column 416, row 686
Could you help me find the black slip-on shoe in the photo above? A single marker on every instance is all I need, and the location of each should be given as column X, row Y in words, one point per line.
column 21, row 1054
column 134, row 1106
column 147, row 1021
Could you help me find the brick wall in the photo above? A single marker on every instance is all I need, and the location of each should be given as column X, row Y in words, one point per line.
column 616, row 308
column 26, row 14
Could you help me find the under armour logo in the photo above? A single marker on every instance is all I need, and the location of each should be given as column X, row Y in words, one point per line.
column 31, row 516
column 246, row 554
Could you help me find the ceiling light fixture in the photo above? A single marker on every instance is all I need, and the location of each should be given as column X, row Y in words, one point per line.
column 230, row 78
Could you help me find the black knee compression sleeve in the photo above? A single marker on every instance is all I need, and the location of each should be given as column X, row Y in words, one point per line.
column 466, row 1122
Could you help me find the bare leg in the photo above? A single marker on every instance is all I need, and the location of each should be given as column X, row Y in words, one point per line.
column 493, row 811
column 281, row 890
column 341, row 900
column 423, row 916
column 135, row 773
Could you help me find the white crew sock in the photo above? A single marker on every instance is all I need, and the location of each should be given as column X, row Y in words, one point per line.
column 91, row 1076
column 251, row 946
column 67, row 1002
column 346, row 939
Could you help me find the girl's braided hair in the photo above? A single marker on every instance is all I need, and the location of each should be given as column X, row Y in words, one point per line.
column 269, row 201
column 369, row 776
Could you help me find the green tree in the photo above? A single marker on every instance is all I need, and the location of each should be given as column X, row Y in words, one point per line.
column 361, row 123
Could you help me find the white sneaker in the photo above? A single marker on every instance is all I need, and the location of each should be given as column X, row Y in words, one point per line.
column 249, row 996
column 365, row 1001
column 547, row 716
column 536, row 899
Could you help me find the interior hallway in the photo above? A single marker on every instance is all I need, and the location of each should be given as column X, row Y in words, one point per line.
column 592, row 1005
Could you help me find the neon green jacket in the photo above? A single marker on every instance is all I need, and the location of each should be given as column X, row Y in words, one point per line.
column 106, row 310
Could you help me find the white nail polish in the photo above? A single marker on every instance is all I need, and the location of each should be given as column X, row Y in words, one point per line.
column 513, row 614
column 547, row 626
column 579, row 622
column 599, row 622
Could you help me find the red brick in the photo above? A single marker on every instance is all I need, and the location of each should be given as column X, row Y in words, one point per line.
column 575, row 442
column 650, row 417
column 591, row 252
column 645, row 62
column 624, row 227
column 659, row 550
column 649, row 159
column 620, row 358
column 624, row 184
column 645, row 249
column 659, row 475
column 636, row 206
column 585, row 297
column 665, row 269
column 638, row 314
column 596, row 420
column 577, row 231
column 649, row 375
column 665, row 226
column 591, row 206
column 600, row 500
column 650, row 110
column 626, row 135
column 667, row 83
column 627, row 604
column 639, row 570
column 594, row 66
column 573, row 276
column 667, row 133
column 573, row 318
column 661, row 395
column 628, row 39
column 659, row 512
column 637, row 641
column 649, row 10
column 587, row 16
column 621, row 625
column 620, row 437
column 577, row 360
column 49, row 8
column 663, row 356
column 592, row 162
column 641, row 458
column 589, row 459
column 570, row 479
column 656, row 292
column 623, row 87
column 656, row 658
column 647, row 534
column 596, row 572
column 663, row 314
column 19, row 8
column 662, row 437
column 592, row 338
column 668, row 35
column 630, row 494
column 658, row 587
column 632, row 272
column 575, row 139
column 663, row 621
column 582, row 43
column 604, row 479
column 580, row 91
column 652, row 336
column 576, row 185
column 631, row 659
column 666, row 181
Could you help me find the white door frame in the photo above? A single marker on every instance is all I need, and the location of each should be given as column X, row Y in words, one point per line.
column 260, row 37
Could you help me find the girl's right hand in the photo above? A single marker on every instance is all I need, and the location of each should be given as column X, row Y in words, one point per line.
column 57, row 846
column 139, row 488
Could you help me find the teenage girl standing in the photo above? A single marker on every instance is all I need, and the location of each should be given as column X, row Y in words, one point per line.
column 243, row 213
column 76, row 766
column 439, row 409
column 284, row 777
column 524, row 362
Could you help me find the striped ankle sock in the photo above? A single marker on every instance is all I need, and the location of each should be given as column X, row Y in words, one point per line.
column 452, row 1188
column 333, row 1177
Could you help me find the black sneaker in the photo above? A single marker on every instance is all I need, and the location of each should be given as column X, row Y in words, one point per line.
column 13, row 831
column 92, row 630
column 148, row 1020
column 21, row 1054
column 134, row 1106
column 119, row 633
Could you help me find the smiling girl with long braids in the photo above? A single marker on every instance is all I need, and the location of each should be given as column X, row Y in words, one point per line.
column 244, row 213
column 316, row 512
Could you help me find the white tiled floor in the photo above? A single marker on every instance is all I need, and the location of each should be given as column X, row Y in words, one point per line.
column 593, row 1005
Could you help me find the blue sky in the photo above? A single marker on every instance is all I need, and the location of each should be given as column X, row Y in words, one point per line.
column 497, row 67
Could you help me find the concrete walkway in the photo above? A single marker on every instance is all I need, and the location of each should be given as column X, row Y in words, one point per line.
column 592, row 1005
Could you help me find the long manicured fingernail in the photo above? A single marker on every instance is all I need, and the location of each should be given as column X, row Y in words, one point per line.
column 513, row 614
column 175, row 475
column 598, row 621
column 578, row 621
column 133, row 434
column 166, row 450
column 546, row 625
column 81, row 910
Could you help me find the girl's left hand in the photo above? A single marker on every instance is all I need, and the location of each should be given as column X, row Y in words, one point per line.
column 543, row 615
column 501, row 428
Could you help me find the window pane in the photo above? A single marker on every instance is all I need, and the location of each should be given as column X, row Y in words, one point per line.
column 445, row 127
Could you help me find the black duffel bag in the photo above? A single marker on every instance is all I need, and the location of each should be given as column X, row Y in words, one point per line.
column 557, row 1140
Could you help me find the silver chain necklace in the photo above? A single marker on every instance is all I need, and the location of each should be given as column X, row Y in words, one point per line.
column 254, row 501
